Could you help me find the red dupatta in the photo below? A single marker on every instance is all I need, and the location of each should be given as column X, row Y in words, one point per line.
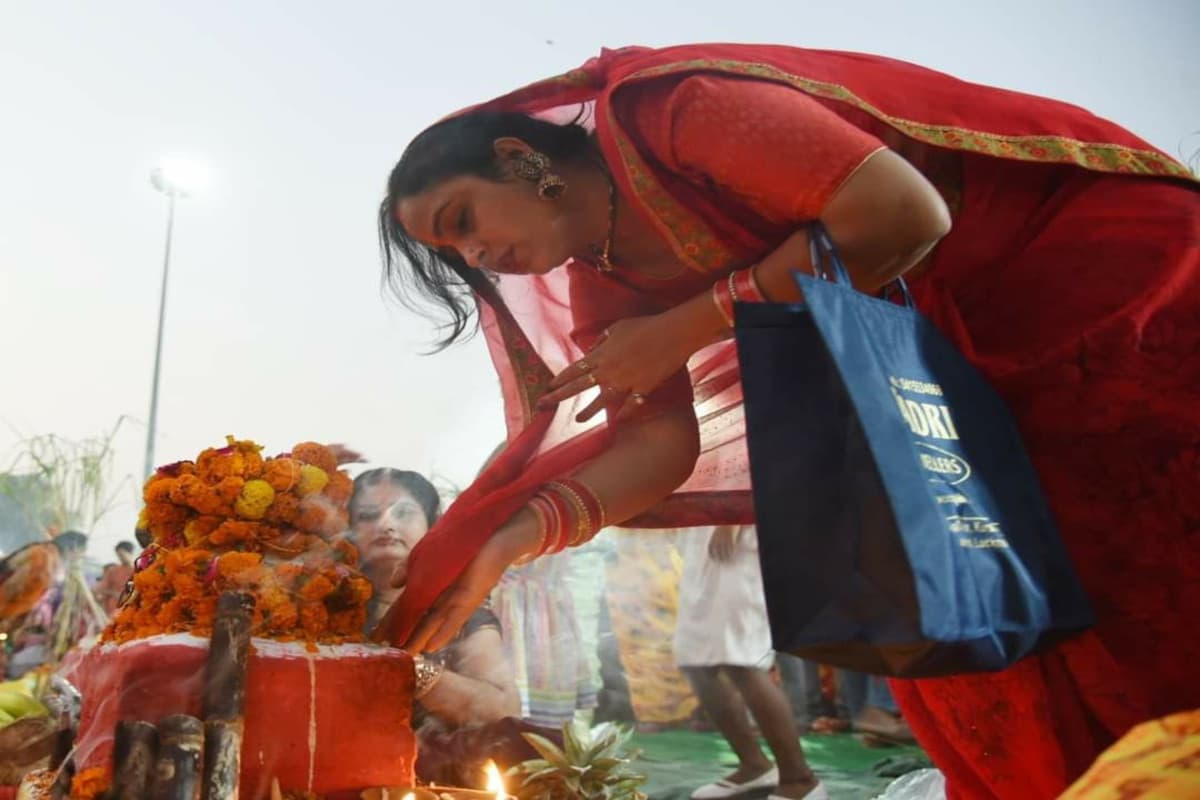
column 537, row 325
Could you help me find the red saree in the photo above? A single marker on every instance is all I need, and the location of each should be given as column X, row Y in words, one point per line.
column 1071, row 278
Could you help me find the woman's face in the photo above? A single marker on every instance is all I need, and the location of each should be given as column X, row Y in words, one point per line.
column 387, row 523
column 503, row 226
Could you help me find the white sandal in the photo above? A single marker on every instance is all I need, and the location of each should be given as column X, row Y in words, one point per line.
column 816, row 793
column 722, row 789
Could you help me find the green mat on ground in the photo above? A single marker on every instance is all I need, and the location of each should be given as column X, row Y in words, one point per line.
column 678, row 762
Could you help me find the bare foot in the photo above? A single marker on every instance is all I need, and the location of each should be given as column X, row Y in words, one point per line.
column 883, row 725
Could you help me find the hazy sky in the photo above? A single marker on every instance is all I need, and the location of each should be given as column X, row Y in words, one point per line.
column 276, row 329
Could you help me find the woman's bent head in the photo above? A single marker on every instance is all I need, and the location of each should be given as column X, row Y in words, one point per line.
column 471, row 193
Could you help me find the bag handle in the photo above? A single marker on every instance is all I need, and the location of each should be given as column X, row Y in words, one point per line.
column 825, row 258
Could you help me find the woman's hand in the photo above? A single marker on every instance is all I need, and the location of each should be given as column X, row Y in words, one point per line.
column 455, row 606
column 633, row 358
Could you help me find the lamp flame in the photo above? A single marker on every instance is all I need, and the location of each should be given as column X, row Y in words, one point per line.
column 495, row 782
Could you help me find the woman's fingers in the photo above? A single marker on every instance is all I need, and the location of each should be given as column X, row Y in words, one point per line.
column 442, row 622
column 596, row 406
column 573, row 372
column 570, row 389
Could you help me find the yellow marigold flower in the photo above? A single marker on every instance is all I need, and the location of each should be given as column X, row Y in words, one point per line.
column 256, row 497
column 312, row 480
column 199, row 529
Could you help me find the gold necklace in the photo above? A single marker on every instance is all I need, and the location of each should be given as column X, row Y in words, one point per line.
column 601, row 255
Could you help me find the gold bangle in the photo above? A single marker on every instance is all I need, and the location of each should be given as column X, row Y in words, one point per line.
column 583, row 518
column 543, row 534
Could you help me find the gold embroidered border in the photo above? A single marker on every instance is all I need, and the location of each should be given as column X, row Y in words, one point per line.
column 692, row 240
column 1097, row 156
column 697, row 246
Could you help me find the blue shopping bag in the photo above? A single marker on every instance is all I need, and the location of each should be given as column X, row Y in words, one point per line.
column 902, row 528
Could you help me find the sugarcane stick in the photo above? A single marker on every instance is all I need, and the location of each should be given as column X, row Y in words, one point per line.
column 222, row 758
column 225, row 695
column 135, row 748
column 178, row 768
column 225, row 675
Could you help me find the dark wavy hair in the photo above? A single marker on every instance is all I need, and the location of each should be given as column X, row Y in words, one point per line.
column 462, row 145
column 424, row 492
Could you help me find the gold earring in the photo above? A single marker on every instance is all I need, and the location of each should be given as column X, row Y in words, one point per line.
column 535, row 167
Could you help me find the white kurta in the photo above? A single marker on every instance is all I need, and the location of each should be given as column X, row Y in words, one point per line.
column 722, row 610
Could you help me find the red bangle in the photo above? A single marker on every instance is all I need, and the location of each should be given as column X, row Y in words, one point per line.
column 723, row 300
column 745, row 287
column 589, row 512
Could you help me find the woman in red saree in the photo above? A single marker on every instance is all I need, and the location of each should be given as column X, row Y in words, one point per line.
column 1059, row 251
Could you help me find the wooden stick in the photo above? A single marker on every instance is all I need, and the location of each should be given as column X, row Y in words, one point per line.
column 178, row 768
column 222, row 758
column 225, row 676
column 135, row 748
column 225, row 695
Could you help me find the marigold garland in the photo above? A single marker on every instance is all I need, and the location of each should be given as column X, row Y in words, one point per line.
column 234, row 520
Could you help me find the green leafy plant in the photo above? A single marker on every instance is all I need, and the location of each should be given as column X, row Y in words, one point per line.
column 62, row 483
column 592, row 764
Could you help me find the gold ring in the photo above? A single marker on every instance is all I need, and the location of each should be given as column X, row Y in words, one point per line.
column 584, row 365
column 640, row 399
column 591, row 379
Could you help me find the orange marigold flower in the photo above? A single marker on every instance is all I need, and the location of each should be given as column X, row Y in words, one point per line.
column 282, row 473
column 314, row 515
column 176, row 613
column 344, row 552
column 319, row 516
column 314, row 619
column 158, row 489
column 289, row 573
column 230, row 489
column 232, row 564
column 285, row 510
column 317, row 589
column 159, row 513
column 348, row 623
column 193, row 492
column 90, row 783
column 238, row 459
column 359, row 589
column 255, row 498
column 340, row 487
column 169, row 534
column 282, row 618
column 312, row 480
column 232, row 532
column 316, row 454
